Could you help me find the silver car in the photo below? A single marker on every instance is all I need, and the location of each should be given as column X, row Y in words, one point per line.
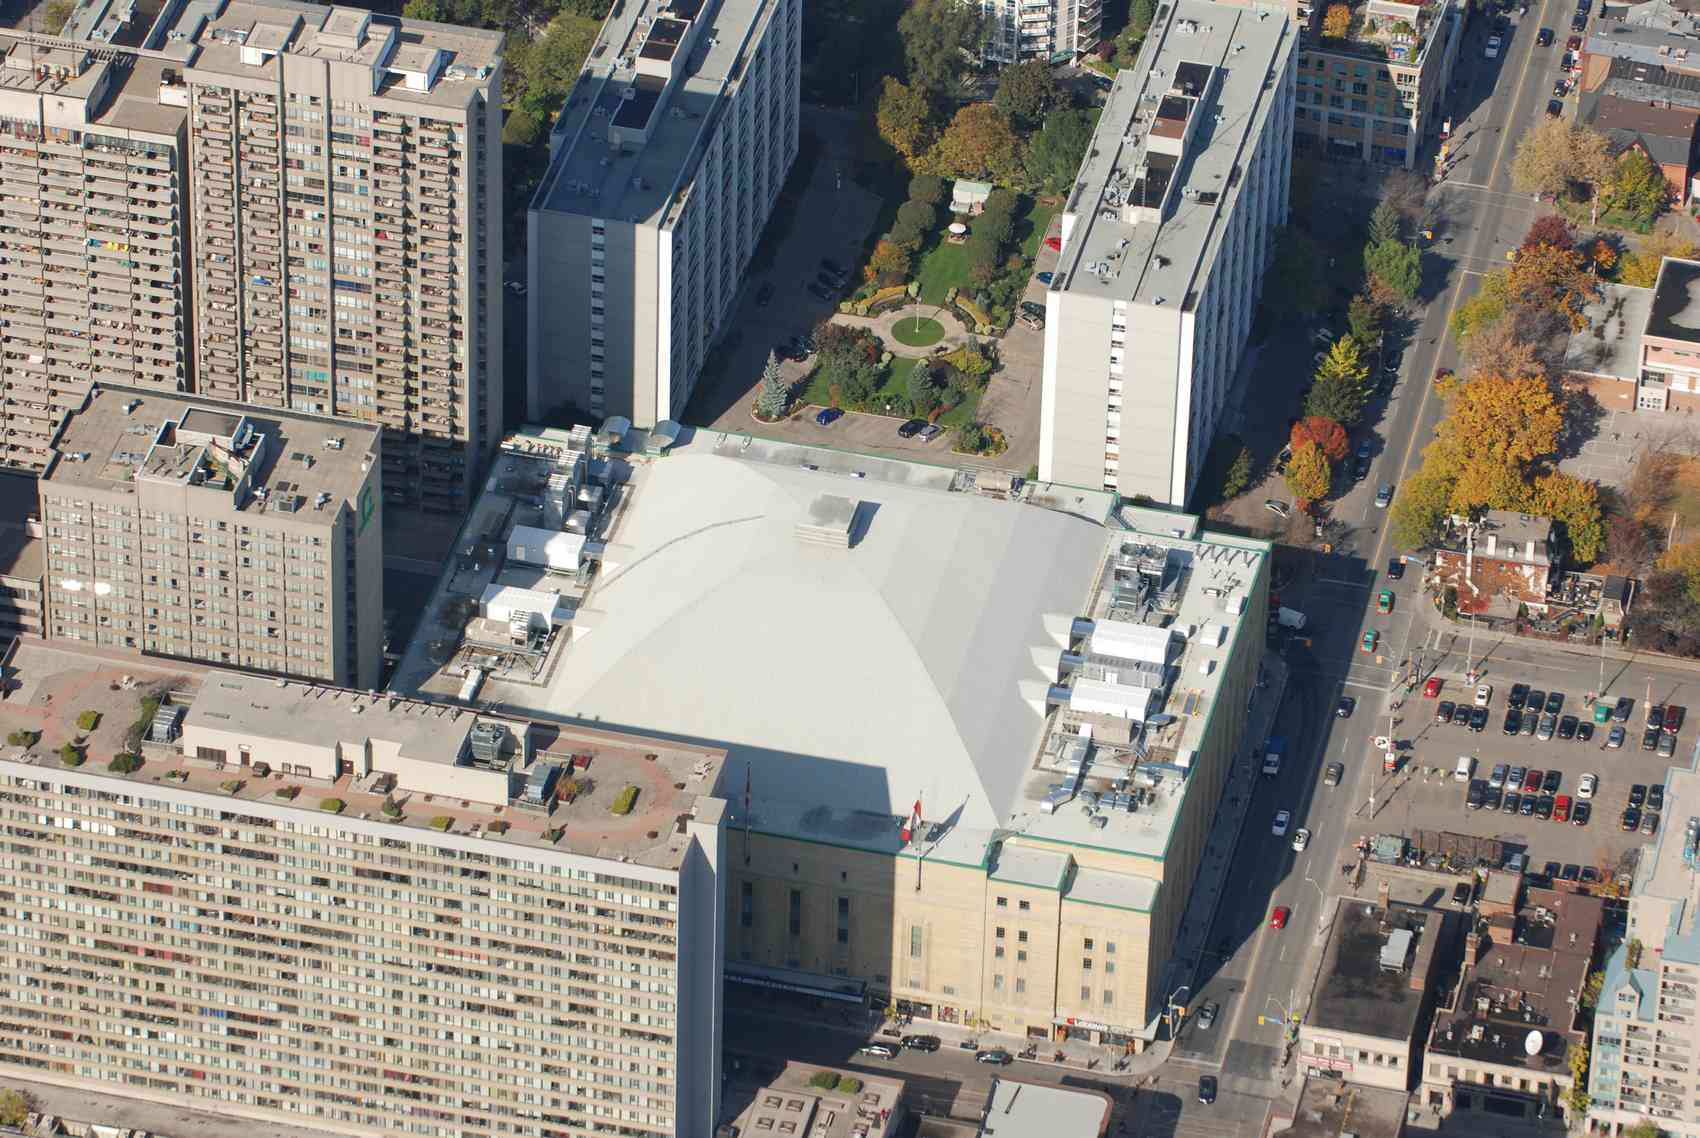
column 1384, row 496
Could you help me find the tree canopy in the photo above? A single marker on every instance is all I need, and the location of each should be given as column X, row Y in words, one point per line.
column 1341, row 389
column 979, row 143
column 1637, row 186
column 904, row 119
column 1554, row 153
column 938, row 38
column 1641, row 267
column 1397, row 267
column 1027, row 92
column 1330, row 436
column 1054, row 153
column 1308, row 473
column 1295, row 285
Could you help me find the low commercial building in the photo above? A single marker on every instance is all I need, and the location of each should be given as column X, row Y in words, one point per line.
column 1330, row 1109
column 1374, row 987
column 1501, row 1042
column 1165, row 238
column 1500, row 566
column 1646, row 1053
column 818, row 1102
column 1015, row 1109
column 1378, row 93
column 665, row 165
column 1664, row 133
column 354, row 912
column 982, row 738
column 204, row 531
column 1641, row 348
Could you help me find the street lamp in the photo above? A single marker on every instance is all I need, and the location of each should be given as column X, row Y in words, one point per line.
column 1171, row 1007
column 1322, row 904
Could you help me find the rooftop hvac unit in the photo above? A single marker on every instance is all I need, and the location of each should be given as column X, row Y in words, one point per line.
column 540, row 786
column 486, row 742
column 163, row 729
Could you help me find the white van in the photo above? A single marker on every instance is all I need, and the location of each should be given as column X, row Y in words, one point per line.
column 1465, row 768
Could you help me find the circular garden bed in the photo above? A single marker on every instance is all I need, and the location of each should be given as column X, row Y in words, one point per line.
column 923, row 332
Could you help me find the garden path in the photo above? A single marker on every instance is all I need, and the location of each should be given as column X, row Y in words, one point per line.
column 956, row 333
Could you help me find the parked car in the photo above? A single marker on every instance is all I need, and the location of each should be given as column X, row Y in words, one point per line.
column 1528, row 808
column 1371, row 638
column 1674, row 715
column 1278, row 917
column 911, row 428
column 1587, row 785
column 1496, row 778
column 1395, row 569
column 1332, row 774
column 1620, row 713
column 1614, row 737
column 1656, row 716
column 1543, row 807
column 1478, row 719
column 1536, row 701
column 1571, row 872
column 1532, row 781
column 921, row 1042
column 1301, row 839
column 828, row 416
column 1518, row 697
column 1550, row 781
column 1513, row 720
column 930, row 432
column 1278, row 508
column 1344, row 708
column 1207, row 1015
column 996, row 1056
column 1637, row 794
column 1650, row 739
column 1580, row 813
column 1484, row 694
column 1548, row 724
column 1631, row 820
column 1443, row 713
column 1561, row 808
column 1649, row 822
column 1555, row 702
column 1283, row 818
column 1461, row 715
column 1513, row 803
column 1384, row 496
column 878, row 1050
column 1493, row 45
column 1567, row 727
column 1514, row 778
column 1431, row 689
column 1473, row 797
column 1544, row 37
column 1584, row 731
column 1384, row 601
column 1656, row 796
column 1044, row 279
column 1530, row 720
column 1667, row 746
column 1555, row 109
column 1207, row 1086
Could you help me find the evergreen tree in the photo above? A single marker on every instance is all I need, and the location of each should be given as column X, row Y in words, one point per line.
column 774, row 395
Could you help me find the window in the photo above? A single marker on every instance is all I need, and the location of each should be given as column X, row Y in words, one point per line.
column 1109, row 948
column 914, row 942
column 1109, row 998
column 1086, row 964
column 1085, row 994
column 1020, row 985
column 1088, row 944
column 997, row 952
column 1003, row 902
column 1025, row 906
column 1021, row 956
column 1109, row 968
column 999, row 932
column 796, row 912
column 844, row 920
column 997, row 983
column 747, row 910
column 1020, row 936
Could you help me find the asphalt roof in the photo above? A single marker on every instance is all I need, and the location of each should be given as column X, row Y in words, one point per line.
column 1676, row 301
column 1354, row 992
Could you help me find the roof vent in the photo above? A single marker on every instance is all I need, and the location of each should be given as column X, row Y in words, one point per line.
column 829, row 522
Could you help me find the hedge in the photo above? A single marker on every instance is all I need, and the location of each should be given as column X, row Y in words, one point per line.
column 625, row 800
column 331, row 805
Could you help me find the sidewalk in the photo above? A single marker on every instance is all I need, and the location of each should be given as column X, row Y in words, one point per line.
column 1213, row 871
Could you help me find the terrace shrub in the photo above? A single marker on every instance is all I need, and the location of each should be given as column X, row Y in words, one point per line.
column 625, row 800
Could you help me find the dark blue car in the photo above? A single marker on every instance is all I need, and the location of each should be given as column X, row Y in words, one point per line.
column 829, row 416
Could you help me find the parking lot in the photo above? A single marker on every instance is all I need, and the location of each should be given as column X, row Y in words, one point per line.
column 1427, row 794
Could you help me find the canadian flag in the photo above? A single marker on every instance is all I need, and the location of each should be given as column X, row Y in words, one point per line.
column 912, row 823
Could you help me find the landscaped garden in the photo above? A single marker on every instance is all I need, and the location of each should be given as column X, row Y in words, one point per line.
column 853, row 371
column 917, row 331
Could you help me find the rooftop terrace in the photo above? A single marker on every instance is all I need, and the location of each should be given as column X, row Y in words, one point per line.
column 1388, row 30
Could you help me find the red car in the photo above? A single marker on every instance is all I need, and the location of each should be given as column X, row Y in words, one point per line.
column 1431, row 690
column 1278, row 917
column 1532, row 781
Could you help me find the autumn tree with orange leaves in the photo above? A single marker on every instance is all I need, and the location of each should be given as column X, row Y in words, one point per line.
column 1323, row 432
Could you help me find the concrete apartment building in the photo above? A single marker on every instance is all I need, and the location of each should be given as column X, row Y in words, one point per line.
column 1165, row 238
column 1378, row 93
column 372, row 916
column 347, row 204
column 1002, row 827
column 664, row 167
column 93, row 232
column 1646, row 1052
column 201, row 531
column 1373, row 989
column 1052, row 30
column 21, row 607
column 1502, row 1036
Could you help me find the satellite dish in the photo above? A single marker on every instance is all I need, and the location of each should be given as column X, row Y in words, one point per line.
column 1532, row 1043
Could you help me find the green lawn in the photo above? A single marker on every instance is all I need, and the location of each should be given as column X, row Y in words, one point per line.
column 1037, row 220
column 943, row 267
column 917, row 331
